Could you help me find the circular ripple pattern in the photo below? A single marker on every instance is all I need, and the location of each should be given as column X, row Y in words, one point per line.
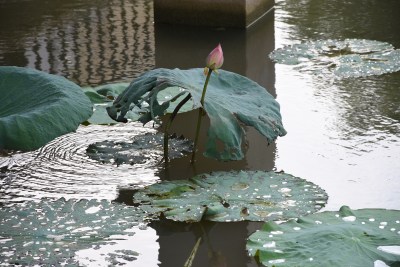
column 62, row 168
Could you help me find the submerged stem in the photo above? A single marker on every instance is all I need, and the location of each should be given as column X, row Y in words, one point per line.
column 168, row 125
column 201, row 113
column 189, row 261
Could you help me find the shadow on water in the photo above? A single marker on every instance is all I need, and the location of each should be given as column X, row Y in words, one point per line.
column 222, row 243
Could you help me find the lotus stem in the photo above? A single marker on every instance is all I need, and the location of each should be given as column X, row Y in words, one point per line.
column 168, row 125
column 201, row 113
column 189, row 261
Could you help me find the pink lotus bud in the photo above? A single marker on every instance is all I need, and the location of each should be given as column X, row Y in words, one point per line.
column 215, row 59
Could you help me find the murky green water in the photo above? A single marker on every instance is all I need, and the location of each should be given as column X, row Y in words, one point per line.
column 343, row 134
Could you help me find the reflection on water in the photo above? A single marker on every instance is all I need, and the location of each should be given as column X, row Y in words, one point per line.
column 343, row 135
column 137, row 249
column 95, row 42
column 62, row 168
column 347, row 129
column 222, row 243
column 314, row 19
column 90, row 42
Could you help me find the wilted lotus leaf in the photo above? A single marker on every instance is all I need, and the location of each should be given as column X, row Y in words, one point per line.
column 103, row 95
column 232, row 196
column 142, row 148
column 356, row 238
column 231, row 102
column 50, row 232
column 36, row 107
column 343, row 58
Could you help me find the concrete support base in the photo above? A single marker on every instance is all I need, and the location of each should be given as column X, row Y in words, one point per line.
column 215, row 13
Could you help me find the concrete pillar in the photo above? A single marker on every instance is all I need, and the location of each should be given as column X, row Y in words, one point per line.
column 214, row 13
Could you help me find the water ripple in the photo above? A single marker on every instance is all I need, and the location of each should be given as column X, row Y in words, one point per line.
column 62, row 168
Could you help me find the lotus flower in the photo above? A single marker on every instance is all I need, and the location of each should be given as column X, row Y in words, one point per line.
column 215, row 59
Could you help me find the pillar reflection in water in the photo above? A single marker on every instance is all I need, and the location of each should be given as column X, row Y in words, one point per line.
column 245, row 52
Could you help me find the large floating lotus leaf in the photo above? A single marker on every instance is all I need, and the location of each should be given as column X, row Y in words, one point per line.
column 343, row 58
column 232, row 196
column 141, row 149
column 37, row 107
column 231, row 100
column 356, row 238
column 49, row 232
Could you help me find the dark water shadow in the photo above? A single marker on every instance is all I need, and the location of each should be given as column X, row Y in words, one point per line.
column 221, row 243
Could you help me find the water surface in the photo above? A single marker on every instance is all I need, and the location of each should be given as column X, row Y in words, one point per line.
column 343, row 134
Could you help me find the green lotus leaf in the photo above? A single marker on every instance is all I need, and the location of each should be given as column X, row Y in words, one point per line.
column 102, row 96
column 105, row 93
column 231, row 100
column 232, row 196
column 343, row 58
column 142, row 148
column 37, row 107
column 356, row 238
column 49, row 232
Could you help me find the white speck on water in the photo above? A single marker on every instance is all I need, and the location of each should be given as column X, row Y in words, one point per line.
column 371, row 220
column 285, row 190
column 276, row 232
column 296, row 228
column 269, row 244
column 318, row 222
column 276, row 261
column 349, row 218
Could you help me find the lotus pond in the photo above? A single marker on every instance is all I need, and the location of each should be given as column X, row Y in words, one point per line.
column 101, row 196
